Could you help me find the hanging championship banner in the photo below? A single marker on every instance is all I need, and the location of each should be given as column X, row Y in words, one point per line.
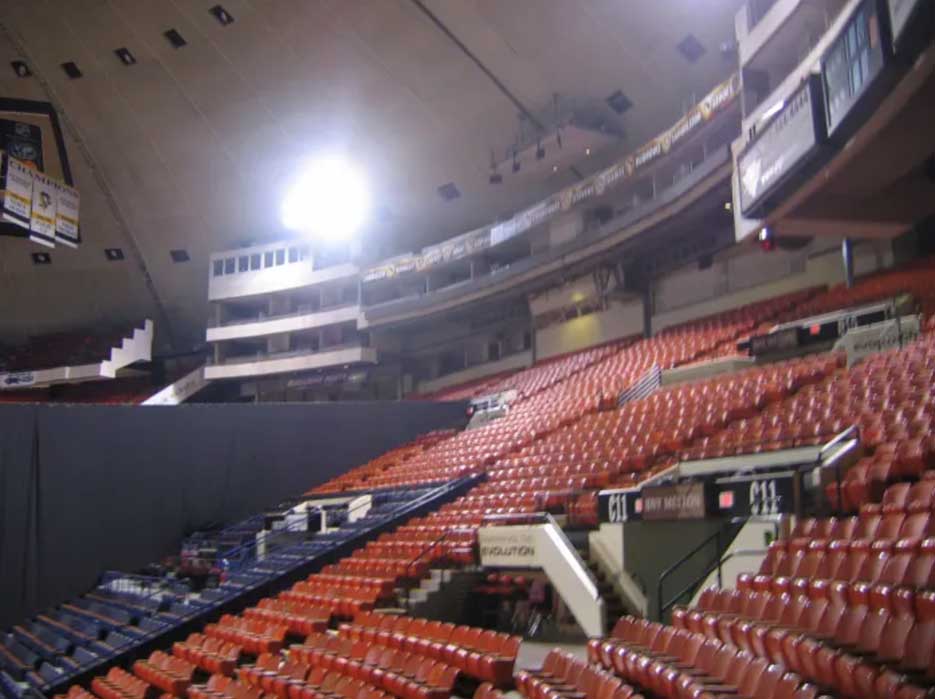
column 22, row 141
column 390, row 268
column 66, row 215
column 453, row 249
column 16, row 185
column 42, row 221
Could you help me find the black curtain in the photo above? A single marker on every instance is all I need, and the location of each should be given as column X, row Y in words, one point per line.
column 84, row 489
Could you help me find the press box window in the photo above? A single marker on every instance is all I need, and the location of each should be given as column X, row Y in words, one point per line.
column 280, row 257
column 254, row 262
column 243, row 264
column 230, row 265
column 293, row 254
column 218, row 268
column 268, row 259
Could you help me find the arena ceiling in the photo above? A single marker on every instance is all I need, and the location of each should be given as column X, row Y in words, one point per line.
column 189, row 148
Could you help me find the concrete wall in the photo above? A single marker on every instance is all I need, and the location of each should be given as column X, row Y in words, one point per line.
column 756, row 276
column 515, row 361
column 619, row 320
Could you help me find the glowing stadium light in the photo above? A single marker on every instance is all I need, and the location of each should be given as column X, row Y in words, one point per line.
column 329, row 201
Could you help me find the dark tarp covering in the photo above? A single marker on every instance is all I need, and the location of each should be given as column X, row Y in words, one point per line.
column 85, row 489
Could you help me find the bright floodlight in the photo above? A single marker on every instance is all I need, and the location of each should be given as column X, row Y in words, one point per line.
column 329, row 201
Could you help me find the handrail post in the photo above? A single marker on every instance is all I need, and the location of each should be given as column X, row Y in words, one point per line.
column 717, row 543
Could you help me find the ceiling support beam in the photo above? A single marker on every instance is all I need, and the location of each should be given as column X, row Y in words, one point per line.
column 443, row 28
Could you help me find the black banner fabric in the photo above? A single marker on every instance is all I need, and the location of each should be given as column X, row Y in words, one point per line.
column 89, row 488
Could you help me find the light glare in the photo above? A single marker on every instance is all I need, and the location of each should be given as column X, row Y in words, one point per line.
column 328, row 201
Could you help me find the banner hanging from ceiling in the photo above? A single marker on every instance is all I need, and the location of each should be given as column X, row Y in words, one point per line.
column 465, row 245
column 40, row 207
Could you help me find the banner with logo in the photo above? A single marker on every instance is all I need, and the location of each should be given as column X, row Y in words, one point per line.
column 45, row 208
column 391, row 268
column 42, row 221
column 713, row 103
column 16, row 185
column 333, row 378
column 68, row 202
column 454, row 249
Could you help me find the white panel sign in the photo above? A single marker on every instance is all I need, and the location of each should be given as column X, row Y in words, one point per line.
column 17, row 379
column 17, row 185
column 68, row 202
column 879, row 337
column 510, row 547
column 42, row 222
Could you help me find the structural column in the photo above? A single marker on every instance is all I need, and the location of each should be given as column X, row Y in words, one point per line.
column 847, row 253
column 648, row 309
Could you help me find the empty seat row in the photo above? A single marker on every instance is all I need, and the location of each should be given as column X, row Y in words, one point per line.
column 210, row 654
column 171, row 674
column 562, row 673
column 906, row 562
column 486, row 655
column 253, row 636
column 860, row 640
column 677, row 664
column 406, row 675
column 120, row 684
column 299, row 618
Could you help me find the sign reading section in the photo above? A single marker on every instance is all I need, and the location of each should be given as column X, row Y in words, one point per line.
column 682, row 501
column 508, row 547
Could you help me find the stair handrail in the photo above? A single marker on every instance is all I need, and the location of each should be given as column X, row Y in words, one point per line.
column 716, row 538
column 851, row 433
column 716, row 565
column 434, row 543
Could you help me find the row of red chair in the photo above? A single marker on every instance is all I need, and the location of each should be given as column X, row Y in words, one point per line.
column 406, row 675
column 859, row 640
column 253, row 636
column 562, row 673
column 210, row 654
column 223, row 687
column 293, row 679
column 900, row 562
column 299, row 618
column 76, row 692
column 677, row 664
column 120, row 684
column 170, row 674
column 867, row 480
column 486, row 655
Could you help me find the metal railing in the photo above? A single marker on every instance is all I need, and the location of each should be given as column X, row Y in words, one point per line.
column 716, row 539
column 433, row 545
column 827, row 457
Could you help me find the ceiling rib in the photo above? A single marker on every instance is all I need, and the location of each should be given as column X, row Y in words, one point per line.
column 523, row 109
column 443, row 28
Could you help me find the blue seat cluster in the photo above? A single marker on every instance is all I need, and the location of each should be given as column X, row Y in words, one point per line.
column 126, row 612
